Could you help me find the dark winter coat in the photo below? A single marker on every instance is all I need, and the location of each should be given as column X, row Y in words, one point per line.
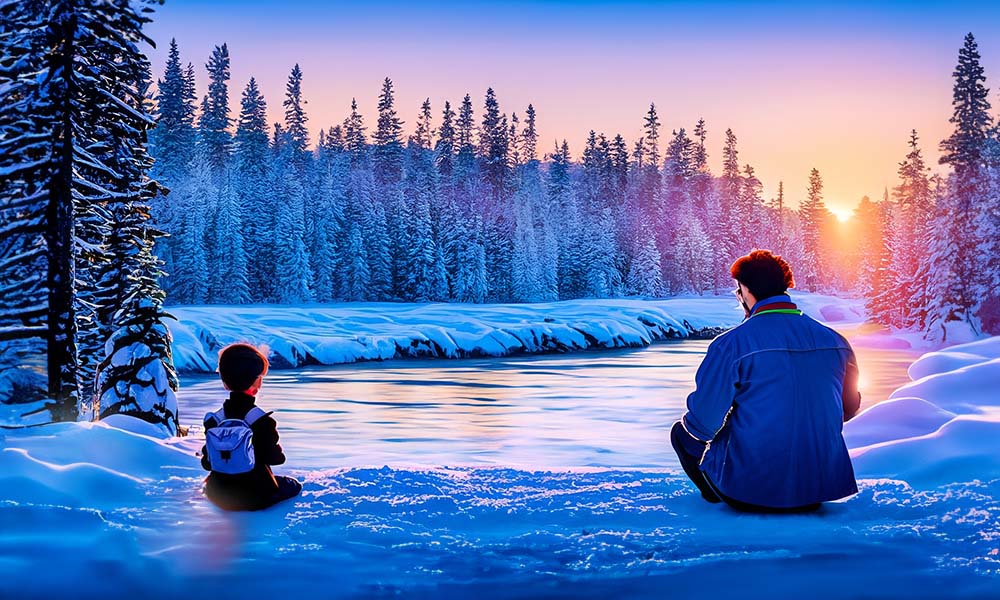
column 258, row 487
column 771, row 397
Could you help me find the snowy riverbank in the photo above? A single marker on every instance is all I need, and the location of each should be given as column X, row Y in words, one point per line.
column 342, row 333
column 104, row 513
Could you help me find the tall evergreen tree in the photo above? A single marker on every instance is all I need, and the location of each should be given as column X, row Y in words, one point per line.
column 814, row 214
column 957, row 280
column 215, row 122
column 388, row 141
column 74, row 134
column 295, row 117
column 251, row 175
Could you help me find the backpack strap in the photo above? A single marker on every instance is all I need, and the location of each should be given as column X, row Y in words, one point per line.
column 219, row 416
column 253, row 414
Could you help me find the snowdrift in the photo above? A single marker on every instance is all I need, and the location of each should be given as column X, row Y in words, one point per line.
column 943, row 427
column 342, row 333
column 92, row 511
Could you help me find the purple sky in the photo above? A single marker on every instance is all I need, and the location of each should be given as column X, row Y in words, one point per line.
column 833, row 87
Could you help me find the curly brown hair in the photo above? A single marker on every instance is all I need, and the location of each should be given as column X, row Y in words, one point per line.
column 765, row 274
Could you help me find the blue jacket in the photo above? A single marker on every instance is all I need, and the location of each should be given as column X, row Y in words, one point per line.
column 771, row 397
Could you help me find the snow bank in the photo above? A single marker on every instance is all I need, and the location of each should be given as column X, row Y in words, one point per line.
column 85, row 464
column 342, row 333
column 943, row 427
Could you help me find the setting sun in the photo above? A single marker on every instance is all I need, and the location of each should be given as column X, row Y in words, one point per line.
column 841, row 215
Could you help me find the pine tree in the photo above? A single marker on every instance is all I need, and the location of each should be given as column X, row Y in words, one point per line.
column 31, row 340
column 355, row 141
column 525, row 275
column 444, row 148
column 910, row 237
column 649, row 166
column 644, row 277
column 295, row 118
column 327, row 239
column 529, row 137
column 957, row 280
column 215, row 122
column 884, row 297
column 252, row 182
column 190, row 276
column 494, row 148
column 813, row 213
column 74, row 134
column 420, row 252
column 172, row 142
column 388, row 152
column 229, row 263
column 294, row 276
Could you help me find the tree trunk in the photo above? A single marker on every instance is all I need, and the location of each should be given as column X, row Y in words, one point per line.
column 59, row 233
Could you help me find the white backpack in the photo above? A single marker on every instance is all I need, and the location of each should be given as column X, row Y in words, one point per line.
column 230, row 443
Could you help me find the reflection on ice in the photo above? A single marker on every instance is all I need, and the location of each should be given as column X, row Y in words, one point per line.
column 597, row 408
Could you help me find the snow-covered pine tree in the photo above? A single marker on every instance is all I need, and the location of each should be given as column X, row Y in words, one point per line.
column 387, row 153
column 79, row 154
column 730, row 229
column 987, row 223
column 172, row 143
column 649, row 167
column 884, row 297
column 136, row 378
column 215, row 145
column 602, row 277
column 355, row 142
column 752, row 205
column 215, row 121
column 957, row 283
column 24, row 203
column 356, row 278
column 692, row 256
column 909, row 264
column 444, row 148
column 678, row 170
column 813, row 213
column 529, row 136
column 494, row 150
column 420, row 252
column 229, row 262
column 251, row 162
column 329, row 224
column 644, row 275
column 525, row 272
column 295, row 120
column 564, row 207
column 190, row 277
column 294, row 276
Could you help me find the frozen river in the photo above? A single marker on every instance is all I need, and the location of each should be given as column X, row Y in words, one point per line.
column 583, row 409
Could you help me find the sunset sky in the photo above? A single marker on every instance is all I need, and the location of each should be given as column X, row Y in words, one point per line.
column 836, row 87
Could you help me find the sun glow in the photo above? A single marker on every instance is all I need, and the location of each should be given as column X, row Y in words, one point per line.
column 842, row 216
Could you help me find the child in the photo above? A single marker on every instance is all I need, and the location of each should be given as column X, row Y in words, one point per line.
column 242, row 440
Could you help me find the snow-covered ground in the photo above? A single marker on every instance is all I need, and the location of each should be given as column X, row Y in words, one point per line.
column 88, row 510
column 330, row 334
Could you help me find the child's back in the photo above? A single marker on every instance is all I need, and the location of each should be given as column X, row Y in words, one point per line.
column 248, row 483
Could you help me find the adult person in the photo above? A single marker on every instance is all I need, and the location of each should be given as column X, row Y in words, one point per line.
column 764, row 427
